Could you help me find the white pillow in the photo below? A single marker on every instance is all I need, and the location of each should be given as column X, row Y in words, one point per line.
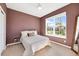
column 24, row 33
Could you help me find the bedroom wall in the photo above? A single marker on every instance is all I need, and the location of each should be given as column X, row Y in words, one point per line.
column 17, row 21
column 72, row 11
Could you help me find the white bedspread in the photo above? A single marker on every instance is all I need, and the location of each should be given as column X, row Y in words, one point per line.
column 36, row 42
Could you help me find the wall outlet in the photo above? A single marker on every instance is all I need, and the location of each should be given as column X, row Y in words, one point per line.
column 15, row 40
column 64, row 41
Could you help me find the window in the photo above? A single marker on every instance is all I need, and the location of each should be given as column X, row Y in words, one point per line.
column 56, row 25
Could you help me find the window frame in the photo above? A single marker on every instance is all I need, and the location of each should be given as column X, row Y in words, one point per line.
column 55, row 16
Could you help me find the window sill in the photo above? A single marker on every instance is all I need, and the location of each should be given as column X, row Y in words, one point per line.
column 56, row 36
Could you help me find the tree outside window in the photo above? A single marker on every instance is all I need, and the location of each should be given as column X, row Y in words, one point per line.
column 56, row 25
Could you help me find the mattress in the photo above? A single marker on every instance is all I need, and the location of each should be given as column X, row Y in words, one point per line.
column 36, row 42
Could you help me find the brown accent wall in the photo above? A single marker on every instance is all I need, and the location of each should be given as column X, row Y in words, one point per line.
column 17, row 21
column 72, row 11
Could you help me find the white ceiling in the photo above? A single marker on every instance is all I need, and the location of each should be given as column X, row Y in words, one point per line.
column 31, row 8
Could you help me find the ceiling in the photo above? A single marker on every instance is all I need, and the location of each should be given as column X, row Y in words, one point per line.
column 32, row 8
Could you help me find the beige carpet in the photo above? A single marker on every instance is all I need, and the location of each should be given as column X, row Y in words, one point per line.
column 52, row 50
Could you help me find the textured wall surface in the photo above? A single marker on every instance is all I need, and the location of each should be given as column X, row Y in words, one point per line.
column 17, row 21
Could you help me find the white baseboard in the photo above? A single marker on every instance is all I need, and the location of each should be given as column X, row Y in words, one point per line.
column 61, row 44
column 13, row 43
column 50, row 41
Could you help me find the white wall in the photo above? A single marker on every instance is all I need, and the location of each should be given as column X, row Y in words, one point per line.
column 77, row 28
column 2, row 30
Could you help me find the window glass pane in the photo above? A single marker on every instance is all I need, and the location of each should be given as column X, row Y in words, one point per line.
column 50, row 25
column 60, row 25
column 57, row 26
column 63, row 26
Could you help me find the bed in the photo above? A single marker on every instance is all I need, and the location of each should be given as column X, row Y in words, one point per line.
column 34, row 42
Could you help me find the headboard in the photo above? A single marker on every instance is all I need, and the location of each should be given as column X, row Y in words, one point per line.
column 24, row 33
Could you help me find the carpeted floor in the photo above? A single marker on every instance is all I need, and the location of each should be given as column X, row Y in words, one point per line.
column 52, row 50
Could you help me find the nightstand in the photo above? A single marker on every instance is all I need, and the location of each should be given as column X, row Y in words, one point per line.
column 15, row 41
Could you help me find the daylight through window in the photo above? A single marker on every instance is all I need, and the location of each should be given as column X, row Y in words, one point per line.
column 56, row 25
